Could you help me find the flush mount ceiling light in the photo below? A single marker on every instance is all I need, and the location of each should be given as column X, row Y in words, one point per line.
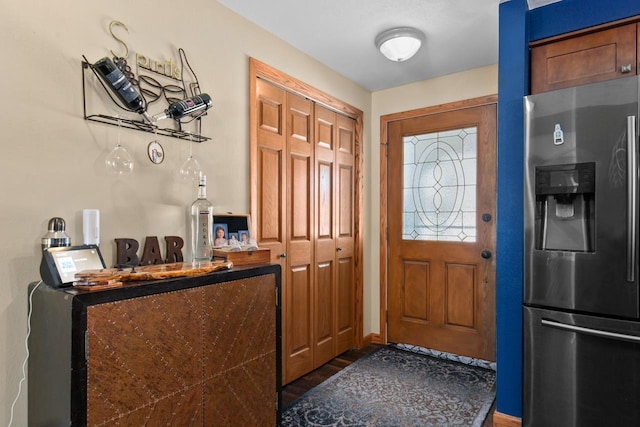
column 400, row 44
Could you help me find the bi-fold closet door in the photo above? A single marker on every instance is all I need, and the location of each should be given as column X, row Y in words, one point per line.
column 304, row 167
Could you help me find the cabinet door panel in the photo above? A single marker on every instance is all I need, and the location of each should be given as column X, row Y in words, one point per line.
column 239, row 325
column 598, row 56
column 144, row 357
column 200, row 356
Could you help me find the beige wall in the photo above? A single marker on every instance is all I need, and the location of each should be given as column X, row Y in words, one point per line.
column 52, row 159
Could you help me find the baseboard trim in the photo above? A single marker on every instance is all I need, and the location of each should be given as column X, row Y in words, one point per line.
column 371, row 339
column 504, row 420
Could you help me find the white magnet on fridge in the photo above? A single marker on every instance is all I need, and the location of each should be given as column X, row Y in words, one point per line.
column 558, row 135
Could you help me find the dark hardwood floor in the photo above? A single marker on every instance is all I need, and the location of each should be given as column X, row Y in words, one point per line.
column 297, row 388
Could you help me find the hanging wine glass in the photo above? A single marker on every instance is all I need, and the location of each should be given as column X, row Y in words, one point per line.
column 190, row 169
column 119, row 161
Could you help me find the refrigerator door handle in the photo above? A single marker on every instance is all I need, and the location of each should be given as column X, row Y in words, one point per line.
column 590, row 331
column 632, row 160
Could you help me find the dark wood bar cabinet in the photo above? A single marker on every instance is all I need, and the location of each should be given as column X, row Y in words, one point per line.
column 196, row 351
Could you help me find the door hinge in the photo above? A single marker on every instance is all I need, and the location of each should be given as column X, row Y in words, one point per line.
column 386, row 148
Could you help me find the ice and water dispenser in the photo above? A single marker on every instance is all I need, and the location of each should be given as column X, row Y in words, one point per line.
column 565, row 207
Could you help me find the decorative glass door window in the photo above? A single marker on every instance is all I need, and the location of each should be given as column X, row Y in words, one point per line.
column 439, row 190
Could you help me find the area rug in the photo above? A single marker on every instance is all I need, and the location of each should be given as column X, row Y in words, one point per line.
column 392, row 387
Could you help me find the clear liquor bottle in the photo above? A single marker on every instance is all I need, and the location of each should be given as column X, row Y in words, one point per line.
column 201, row 224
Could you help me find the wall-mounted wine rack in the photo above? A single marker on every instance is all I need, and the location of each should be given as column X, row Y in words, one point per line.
column 131, row 123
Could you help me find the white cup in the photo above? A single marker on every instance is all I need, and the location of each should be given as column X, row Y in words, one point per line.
column 91, row 226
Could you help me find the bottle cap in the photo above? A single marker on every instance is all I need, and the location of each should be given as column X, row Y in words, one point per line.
column 55, row 235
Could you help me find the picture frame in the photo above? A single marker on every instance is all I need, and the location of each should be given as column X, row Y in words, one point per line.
column 220, row 239
column 239, row 224
column 244, row 237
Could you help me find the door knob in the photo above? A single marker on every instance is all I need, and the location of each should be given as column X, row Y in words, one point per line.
column 283, row 255
column 486, row 217
column 339, row 249
column 486, row 254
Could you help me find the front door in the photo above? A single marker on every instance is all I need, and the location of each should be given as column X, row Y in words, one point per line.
column 441, row 230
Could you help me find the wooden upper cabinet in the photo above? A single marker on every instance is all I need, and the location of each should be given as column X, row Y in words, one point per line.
column 596, row 56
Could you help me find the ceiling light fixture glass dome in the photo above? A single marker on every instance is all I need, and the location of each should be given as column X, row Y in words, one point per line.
column 400, row 44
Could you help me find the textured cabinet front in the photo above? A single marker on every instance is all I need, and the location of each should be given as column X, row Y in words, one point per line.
column 145, row 361
column 195, row 354
column 240, row 353
column 184, row 357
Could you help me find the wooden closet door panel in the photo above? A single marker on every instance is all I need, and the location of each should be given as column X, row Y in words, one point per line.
column 345, row 306
column 345, row 233
column 325, row 269
column 297, row 334
column 145, row 360
column 324, row 316
column 270, row 169
column 299, row 181
column 315, row 306
column 298, row 307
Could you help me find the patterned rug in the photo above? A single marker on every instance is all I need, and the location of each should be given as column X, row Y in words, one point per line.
column 392, row 387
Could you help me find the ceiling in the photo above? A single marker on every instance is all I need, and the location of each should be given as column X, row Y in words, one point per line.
column 460, row 34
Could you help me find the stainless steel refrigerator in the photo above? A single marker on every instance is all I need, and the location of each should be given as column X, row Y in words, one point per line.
column 581, row 308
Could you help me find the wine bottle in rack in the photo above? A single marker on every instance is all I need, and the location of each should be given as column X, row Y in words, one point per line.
column 115, row 79
column 186, row 107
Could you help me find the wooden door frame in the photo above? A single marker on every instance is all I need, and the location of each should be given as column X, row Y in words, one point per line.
column 260, row 70
column 384, row 126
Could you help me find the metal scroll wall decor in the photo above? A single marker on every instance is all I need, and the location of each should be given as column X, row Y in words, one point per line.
column 160, row 83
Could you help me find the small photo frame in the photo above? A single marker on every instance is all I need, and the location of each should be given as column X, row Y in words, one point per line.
column 155, row 152
column 233, row 238
column 244, row 237
column 220, row 233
